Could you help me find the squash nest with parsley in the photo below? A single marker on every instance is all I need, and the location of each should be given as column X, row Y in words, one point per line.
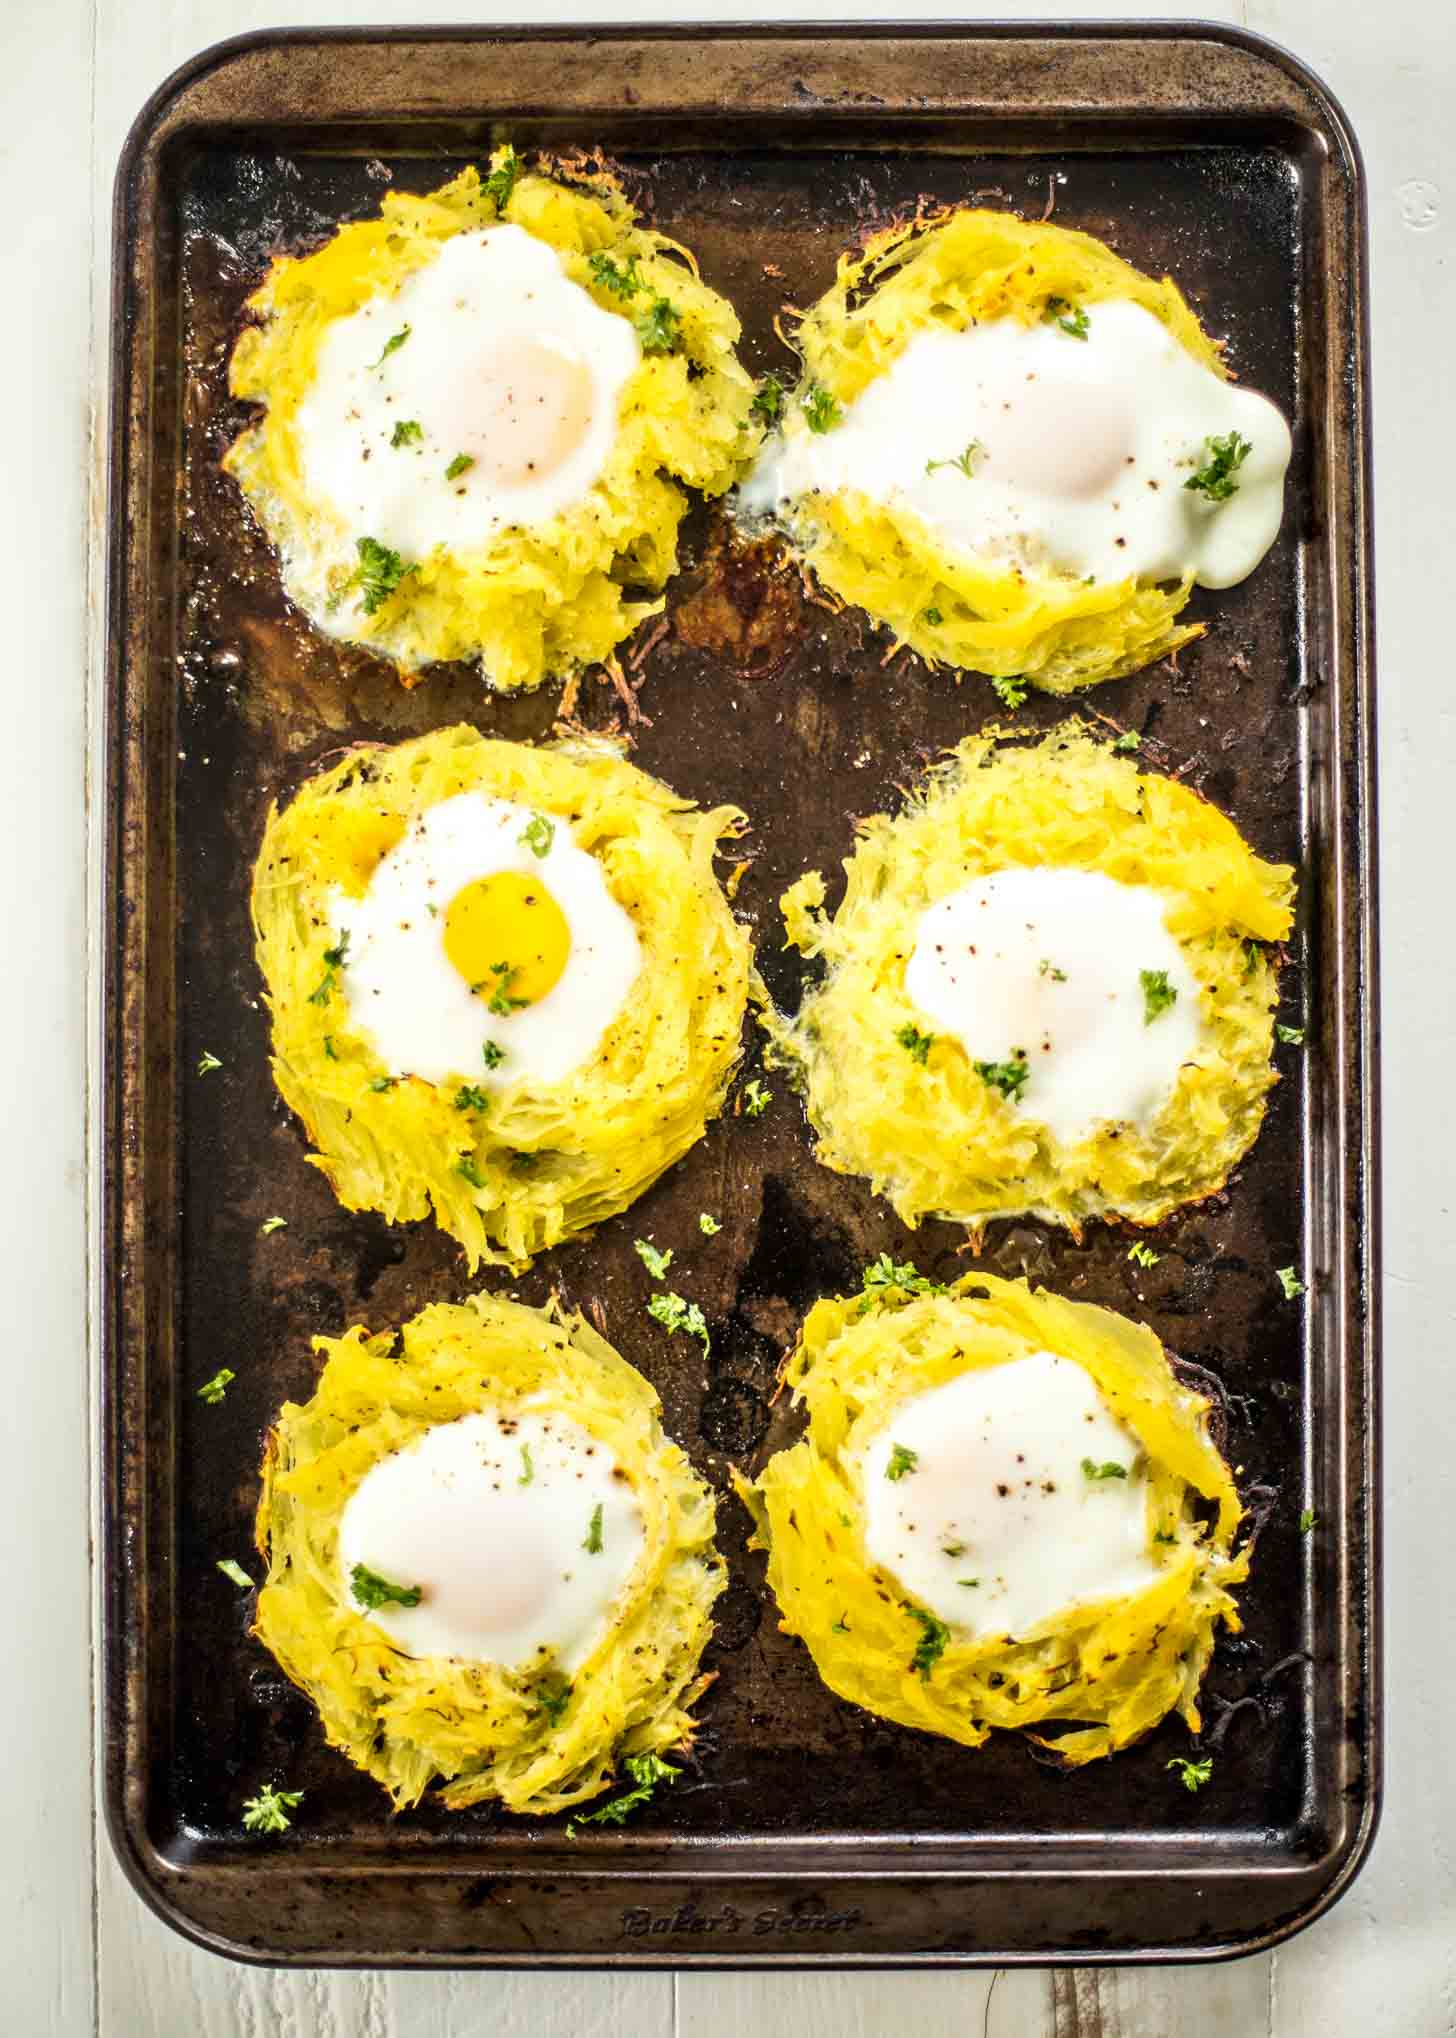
column 536, row 1163
column 930, row 1131
column 1100, row 1674
column 946, row 273
column 535, row 602
column 483, row 1730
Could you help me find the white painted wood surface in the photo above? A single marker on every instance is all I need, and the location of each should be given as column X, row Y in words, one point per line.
column 78, row 1953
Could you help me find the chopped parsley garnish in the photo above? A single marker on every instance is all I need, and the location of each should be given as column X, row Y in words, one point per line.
column 378, row 574
column 1290, row 1282
column 673, row 1313
column 931, row 1646
column 1163, row 1536
column 840, row 1627
column 212, row 1391
column 371, row 1590
column 756, row 1099
column 1111, row 1470
column 502, row 179
column 236, row 1573
column 469, row 1098
column 408, row 432
column 500, row 1000
column 268, row 1811
column 528, row 1470
column 492, row 1054
column 902, row 1460
column 1193, row 1775
column 885, row 1273
column 461, row 464
column 1215, row 478
column 1009, row 1077
column 1070, row 317
column 467, row 1167
column 538, row 834
column 1128, row 740
column 207, row 1062
column 331, row 1053
column 272, row 1224
column 1045, row 969
column 1307, row 1521
column 593, row 1542
column 1143, row 1255
column 821, row 410
column 382, row 1083
column 768, row 401
column 646, row 1772
column 392, row 345
column 933, row 617
column 965, row 462
column 915, row 1043
column 1253, row 955
column 621, row 278
column 1290, row 1036
column 952, row 1549
column 1011, row 692
column 657, row 327
column 554, row 1700
column 708, row 1226
column 1159, row 995
column 656, row 1263
column 969, row 1583
column 334, row 960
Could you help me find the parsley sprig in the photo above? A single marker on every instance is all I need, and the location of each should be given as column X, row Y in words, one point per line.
column 392, row 345
column 1009, row 1077
column 371, row 1590
column 1193, row 1775
column 1215, row 478
column 821, row 410
column 646, row 1772
column 902, row 1460
column 501, row 181
column 674, row 1313
column 915, row 1043
column 658, row 327
column 933, row 1637
column 378, row 574
column 768, row 401
column 538, row 834
column 268, row 1811
column 964, row 463
column 1111, row 1470
column 656, row 1263
column 1159, row 996
column 1070, row 317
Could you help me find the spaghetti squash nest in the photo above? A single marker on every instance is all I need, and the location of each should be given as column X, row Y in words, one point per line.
column 534, row 601
column 958, row 269
column 486, row 1731
column 539, row 1162
column 1110, row 1671
column 931, row 1133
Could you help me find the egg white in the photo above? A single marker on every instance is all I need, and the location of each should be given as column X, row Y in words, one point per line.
column 1048, row 963
column 463, row 356
column 516, row 1528
column 1074, row 453
column 997, row 1523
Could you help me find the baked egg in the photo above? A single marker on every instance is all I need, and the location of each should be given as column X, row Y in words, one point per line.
column 1048, row 990
column 1006, row 1512
column 482, row 409
column 1019, row 452
column 487, row 1566
column 506, row 986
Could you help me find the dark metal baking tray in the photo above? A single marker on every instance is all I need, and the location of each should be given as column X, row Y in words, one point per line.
column 805, row 1831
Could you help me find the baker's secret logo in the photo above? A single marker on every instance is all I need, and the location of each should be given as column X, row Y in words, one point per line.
column 808, row 1916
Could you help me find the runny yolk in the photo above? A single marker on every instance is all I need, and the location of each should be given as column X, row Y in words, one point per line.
column 508, row 938
column 531, row 409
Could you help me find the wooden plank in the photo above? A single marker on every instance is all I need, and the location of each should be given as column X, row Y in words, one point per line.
column 1007, row 2003
column 45, row 1641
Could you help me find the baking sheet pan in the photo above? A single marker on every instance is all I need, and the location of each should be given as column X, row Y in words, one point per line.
column 805, row 1831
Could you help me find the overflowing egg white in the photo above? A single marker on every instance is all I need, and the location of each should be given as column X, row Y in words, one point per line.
column 517, row 1529
column 1072, row 973
column 487, row 945
column 483, row 392
column 1007, row 1496
column 1027, row 446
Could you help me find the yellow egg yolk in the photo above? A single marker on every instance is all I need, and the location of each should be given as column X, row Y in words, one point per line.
column 531, row 410
column 508, row 938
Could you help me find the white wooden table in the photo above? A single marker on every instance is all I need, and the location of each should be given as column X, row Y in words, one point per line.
column 78, row 1953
